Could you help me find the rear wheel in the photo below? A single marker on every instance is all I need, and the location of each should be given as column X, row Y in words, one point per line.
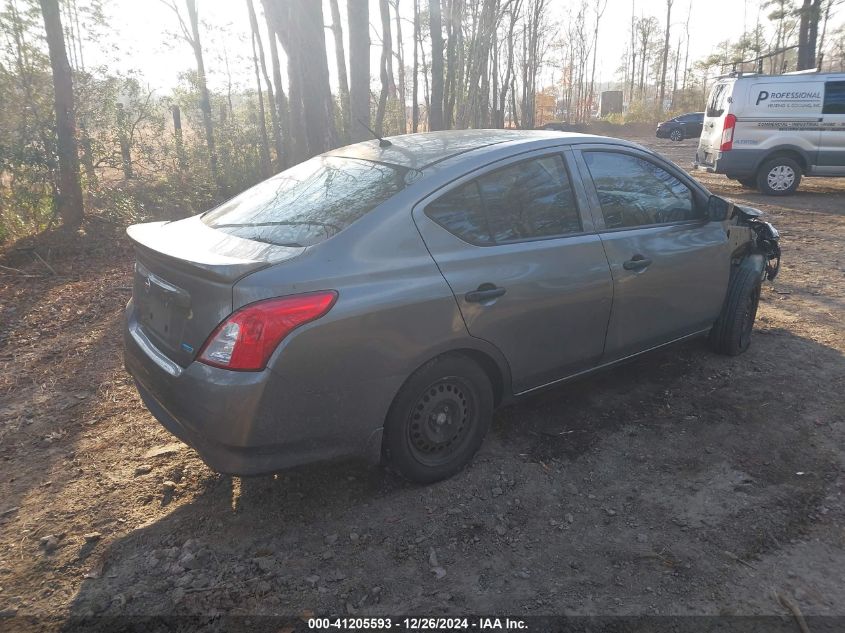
column 779, row 176
column 677, row 135
column 439, row 419
column 731, row 334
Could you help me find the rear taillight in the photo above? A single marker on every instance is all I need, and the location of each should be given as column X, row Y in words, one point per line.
column 728, row 133
column 246, row 339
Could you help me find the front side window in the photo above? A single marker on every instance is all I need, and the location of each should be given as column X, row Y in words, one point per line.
column 834, row 97
column 636, row 192
column 529, row 200
column 308, row 203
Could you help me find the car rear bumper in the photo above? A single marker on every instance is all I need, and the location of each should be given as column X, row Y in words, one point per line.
column 736, row 162
column 249, row 423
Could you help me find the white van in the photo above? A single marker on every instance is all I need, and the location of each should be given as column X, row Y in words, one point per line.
column 766, row 131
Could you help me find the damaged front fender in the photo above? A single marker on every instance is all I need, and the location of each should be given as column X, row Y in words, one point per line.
column 764, row 239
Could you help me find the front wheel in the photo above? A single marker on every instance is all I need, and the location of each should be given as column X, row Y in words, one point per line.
column 676, row 135
column 439, row 419
column 731, row 334
column 779, row 176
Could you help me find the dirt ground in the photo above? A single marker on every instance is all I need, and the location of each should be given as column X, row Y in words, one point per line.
column 682, row 483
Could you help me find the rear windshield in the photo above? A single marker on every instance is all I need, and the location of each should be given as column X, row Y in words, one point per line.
column 718, row 100
column 308, row 203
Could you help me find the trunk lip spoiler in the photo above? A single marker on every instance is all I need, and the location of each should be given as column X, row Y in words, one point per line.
column 192, row 245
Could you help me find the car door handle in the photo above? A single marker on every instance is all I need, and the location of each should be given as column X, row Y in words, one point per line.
column 485, row 292
column 637, row 262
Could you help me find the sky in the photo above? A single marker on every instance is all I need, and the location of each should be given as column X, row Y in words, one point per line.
column 146, row 29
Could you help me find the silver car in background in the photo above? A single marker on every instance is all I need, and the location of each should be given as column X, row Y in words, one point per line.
column 383, row 298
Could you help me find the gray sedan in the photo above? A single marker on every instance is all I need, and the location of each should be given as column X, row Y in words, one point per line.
column 382, row 299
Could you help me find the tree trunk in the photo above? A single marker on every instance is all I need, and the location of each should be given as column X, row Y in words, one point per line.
column 415, row 106
column 274, row 115
column 205, row 99
column 264, row 147
column 358, row 20
column 384, row 65
column 69, row 198
column 665, row 56
column 400, row 61
column 435, row 116
column 281, row 101
column 123, row 141
column 595, row 49
column 340, row 60
column 300, row 25
column 180, row 145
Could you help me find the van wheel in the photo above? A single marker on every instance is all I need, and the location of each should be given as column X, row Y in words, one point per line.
column 779, row 176
column 439, row 419
column 731, row 334
column 676, row 135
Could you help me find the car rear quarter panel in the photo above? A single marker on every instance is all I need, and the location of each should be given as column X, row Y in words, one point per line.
column 394, row 312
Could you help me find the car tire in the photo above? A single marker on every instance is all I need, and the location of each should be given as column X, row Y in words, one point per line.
column 677, row 135
column 779, row 176
column 438, row 419
column 731, row 334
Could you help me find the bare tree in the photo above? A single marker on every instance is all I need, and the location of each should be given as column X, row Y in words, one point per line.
column 264, row 145
column 665, row 55
column 299, row 23
column 282, row 106
column 340, row 60
column 601, row 5
column 810, row 14
column 400, row 62
column 69, row 198
column 258, row 47
column 359, row 68
column 384, row 65
column 435, row 115
column 415, row 82
column 192, row 37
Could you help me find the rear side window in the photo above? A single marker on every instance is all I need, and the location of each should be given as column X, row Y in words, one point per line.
column 718, row 100
column 529, row 200
column 308, row 203
column 460, row 212
column 834, row 97
column 636, row 192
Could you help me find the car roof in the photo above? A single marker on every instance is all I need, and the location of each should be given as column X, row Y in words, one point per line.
column 422, row 150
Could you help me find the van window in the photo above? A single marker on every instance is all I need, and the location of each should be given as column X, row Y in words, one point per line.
column 718, row 100
column 834, row 97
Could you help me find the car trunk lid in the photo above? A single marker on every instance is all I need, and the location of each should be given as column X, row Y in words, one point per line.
column 184, row 274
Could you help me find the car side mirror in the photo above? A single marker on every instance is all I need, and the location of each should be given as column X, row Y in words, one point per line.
column 719, row 209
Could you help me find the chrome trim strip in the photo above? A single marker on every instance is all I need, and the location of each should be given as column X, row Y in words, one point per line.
column 611, row 363
column 153, row 352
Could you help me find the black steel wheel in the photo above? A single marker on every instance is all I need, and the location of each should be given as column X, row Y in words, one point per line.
column 439, row 419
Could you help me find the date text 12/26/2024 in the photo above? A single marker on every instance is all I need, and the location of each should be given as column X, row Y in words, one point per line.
column 418, row 624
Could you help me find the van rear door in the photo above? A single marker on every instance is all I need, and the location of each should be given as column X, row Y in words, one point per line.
column 714, row 117
column 831, row 159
